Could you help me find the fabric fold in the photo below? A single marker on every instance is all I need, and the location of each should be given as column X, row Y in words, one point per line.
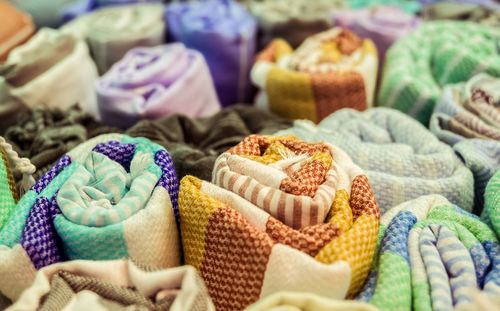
column 462, row 11
column 409, row 6
column 491, row 212
column 17, row 27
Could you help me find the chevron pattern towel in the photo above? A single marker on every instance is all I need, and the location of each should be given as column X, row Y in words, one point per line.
column 436, row 54
column 283, row 215
column 328, row 71
column 432, row 256
column 98, row 202
column 491, row 212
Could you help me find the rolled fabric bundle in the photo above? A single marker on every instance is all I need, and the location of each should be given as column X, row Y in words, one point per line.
column 467, row 117
column 224, row 32
column 462, row 11
column 491, row 212
column 283, row 215
column 401, row 158
column 114, row 285
column 409, row 6
column 17, row 27
column 293, row 20
column 432, row 256
column 434, row 55
column 151, row 82
column 100, row 201
column 195, row 143
column 111, row 32
column 53, row 69
column 329, row 71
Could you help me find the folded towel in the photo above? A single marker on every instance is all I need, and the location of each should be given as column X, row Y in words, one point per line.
column 195, row 143
column 52, row 68
column 400, row 157
column 462, row 11
column 436, row 54
column 112, row 31
column 17, row 27
column 114, row 285
column 491, row 212
column 292, row 20
column 152, row 82
column 432, row 256
column 467, row 117
column 225, row 34
column 409, row 6
column 329, row 71
column 102, row 200
column 284, row 215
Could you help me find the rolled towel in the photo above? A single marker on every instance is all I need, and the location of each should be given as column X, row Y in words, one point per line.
column 114, row 285
column 329, row 71
column 17, row 27
column 152, row 82
column 434, row 55
column 225, row 34
column 292, row 20
column 491, row 212
column 53, row 69
column 283, row 215
column 112, row 31
column 462, row 11
column 467, row 117
column 401, row 158
column 107, row 198
column 432, row 256
column 409, row 6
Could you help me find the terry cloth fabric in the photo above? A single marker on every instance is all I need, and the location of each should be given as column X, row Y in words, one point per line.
column 195, row 143
column 224, row 32
column 114, row 285
column 409, row 6
column 151, row 82
column 17, row 27
column 102, row 200
column 491, row 212
column 467, row 117
column 400, row 157
column 292, row 20
column 111, row 32
column 284, row 215
column 462, row 11
column 53, row 69
column 329, row 71
column 432, row 256
column 294, row 301
column 436, row 54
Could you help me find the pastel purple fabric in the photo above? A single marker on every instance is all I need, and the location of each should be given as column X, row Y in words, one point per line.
column 78, row 8
column 151, row 82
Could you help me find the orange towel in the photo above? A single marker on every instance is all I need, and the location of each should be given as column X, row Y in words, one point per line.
column 17, row 27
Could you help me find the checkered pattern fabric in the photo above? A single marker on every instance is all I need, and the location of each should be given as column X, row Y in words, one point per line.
column 8, row 191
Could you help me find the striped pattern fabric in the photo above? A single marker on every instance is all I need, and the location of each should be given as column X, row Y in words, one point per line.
column 8, row 190
column 491, row 212
column 432, row 255
column 434, row 55
column 331, row 70
column 98, row 202
column 245, row 251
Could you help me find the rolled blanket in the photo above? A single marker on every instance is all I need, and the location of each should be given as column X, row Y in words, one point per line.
column 102, row 200
column 436, row 54
column 467, row 117
column 111, row 32
column 491, row 212
column 53, row 69
column 462, row 11
column 152, row 82
column 432, row 256
column 114, row 285
column 329, row 71
column 292, row 20
column 284, row 215
column 195, row 143
column 17, row 27
column 401, row 158
column 409, row 6
column 225, row 34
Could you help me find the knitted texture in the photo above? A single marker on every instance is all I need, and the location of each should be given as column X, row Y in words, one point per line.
column 18, row 27
column 401, row 158
column 436, row 54
column 98, row 202
column 240, row 233
column 432, row 256
column 466, row 117
column 8, row 190
column 329, row 71
column 491, row 212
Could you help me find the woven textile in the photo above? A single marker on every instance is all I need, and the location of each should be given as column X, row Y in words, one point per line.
column 436, row 54
column 462, row 11
column 152, row 82
column 329, row 71
column 111, row 32
column 100, row 201
column 467, row 117
column 236, row 234
column 409, row 6
column 491, row 212
column 114, row 285
column 17, row 28
column 400, row 157
column 432, row 256
column 8, row 191
column 224, row 32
